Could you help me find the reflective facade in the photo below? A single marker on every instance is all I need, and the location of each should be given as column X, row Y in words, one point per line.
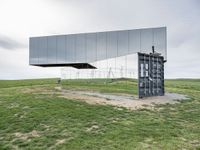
column 95, row 47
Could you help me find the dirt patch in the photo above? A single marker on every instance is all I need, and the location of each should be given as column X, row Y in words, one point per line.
column 39, row 90
column 92, row 128
column 21, row 115
column 195, row 143
column 115, row 99
column 26, row 136
column 25, row 107
column 121, row 100
column 13, row 105
column 46, row 127
column 58, row 88
column 60, row 141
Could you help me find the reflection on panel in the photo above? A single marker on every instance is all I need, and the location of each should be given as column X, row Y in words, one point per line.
column 134, row 41
column 42, row 50
column 110, row 68
column 132, row 65
column 91, row 47
column 112, row 44
column 61, row 49
column 34, row 51
column 146, row 40
column 31, row 46
column 51, row 59
column 80, row 48
column 70, row 48
column 101, row 71
column 121, row 67
column 160, row 41
column 93, row 73
column 123, row 43
column 101, row 46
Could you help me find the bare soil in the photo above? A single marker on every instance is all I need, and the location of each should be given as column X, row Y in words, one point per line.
column 25, row 136
column 121, row 100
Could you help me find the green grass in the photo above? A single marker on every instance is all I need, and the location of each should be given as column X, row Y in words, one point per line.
column 128, row 86
column 28, row 82
column 60, row 123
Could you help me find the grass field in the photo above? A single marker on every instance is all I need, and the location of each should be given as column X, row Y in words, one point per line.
column 32, row 116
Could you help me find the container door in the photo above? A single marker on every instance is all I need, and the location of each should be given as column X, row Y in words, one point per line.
column 150, row 75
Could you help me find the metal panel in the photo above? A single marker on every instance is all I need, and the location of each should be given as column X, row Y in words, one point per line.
column 146, row 40
column 42, row 50
column 70, row 48
column 51, row 57
column 91, row 47
column 81, row 48
column 122, row 43
column 101, row 46
column 61, row 49
column 111, row 68
column 134, row 41
column 121, row 67
column 31, row 48
column 112, row 44
column 150, row 75
column 160, row 41
column 34, row 51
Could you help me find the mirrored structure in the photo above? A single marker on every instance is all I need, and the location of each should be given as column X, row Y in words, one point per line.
column 110, row 54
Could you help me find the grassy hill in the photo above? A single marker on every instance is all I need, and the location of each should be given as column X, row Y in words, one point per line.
column 33, row 116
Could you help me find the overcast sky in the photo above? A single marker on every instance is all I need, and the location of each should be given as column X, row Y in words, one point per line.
column 20, row 19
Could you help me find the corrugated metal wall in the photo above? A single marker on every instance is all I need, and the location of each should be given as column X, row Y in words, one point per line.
column 150, row 75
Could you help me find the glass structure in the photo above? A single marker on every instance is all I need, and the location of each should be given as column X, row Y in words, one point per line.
column 110, row 54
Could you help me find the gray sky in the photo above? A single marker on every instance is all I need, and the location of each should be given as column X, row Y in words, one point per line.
column 20, row 19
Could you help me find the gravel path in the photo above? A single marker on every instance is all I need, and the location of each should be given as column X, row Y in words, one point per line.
column 121, row 100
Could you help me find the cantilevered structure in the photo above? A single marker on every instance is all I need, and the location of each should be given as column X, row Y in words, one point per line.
column 91, row 50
